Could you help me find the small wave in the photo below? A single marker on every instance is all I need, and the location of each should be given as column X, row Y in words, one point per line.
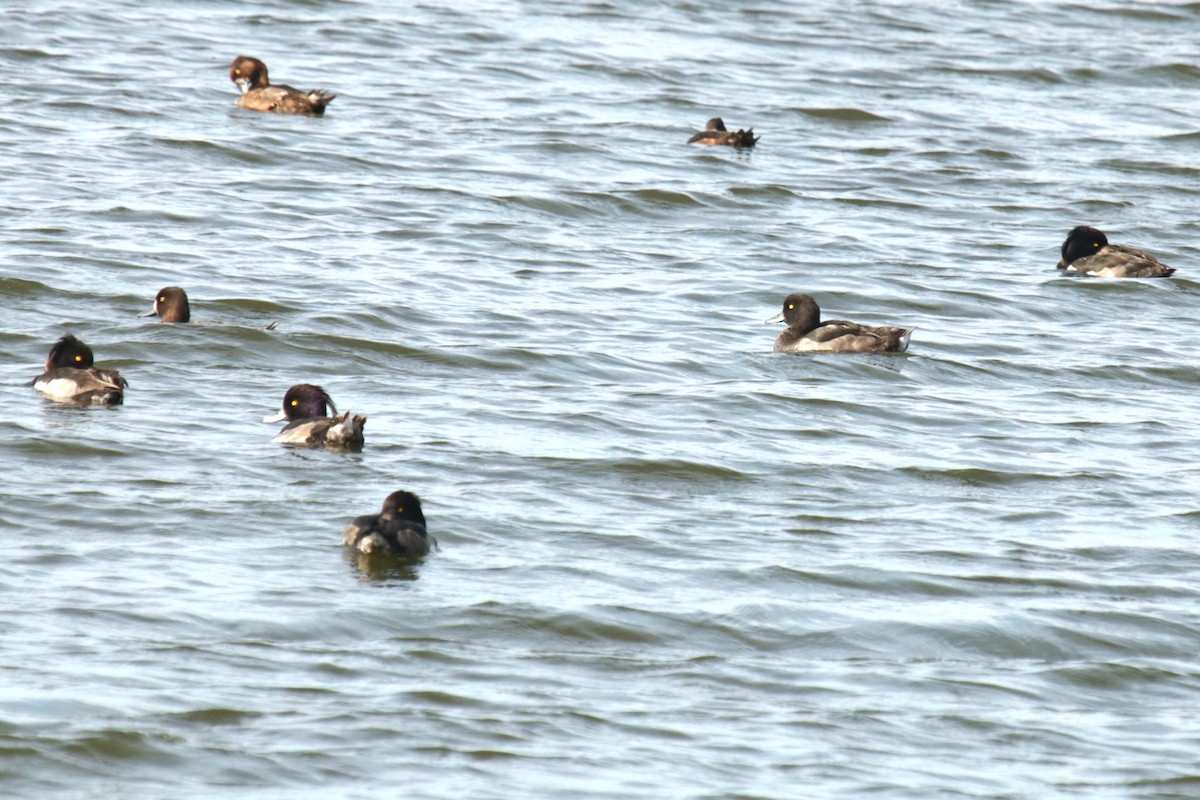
column 843, row 114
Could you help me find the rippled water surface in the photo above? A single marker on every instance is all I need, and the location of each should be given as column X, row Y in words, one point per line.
column 673, row 563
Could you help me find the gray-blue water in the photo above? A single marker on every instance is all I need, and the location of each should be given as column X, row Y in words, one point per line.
column 674, row 564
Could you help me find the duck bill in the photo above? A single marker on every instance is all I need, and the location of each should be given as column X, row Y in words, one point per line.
column 243, row 84
column 153, row 312
column 278, row 416
column 777, row 318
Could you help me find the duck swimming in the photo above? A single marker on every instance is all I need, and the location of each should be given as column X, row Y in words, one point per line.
column 170, row 305
column 805, row 332
column 304, row 408
column 715, row 133
column 71, row 378
column 399, row 529
column 1087, row 251
column 259, row 94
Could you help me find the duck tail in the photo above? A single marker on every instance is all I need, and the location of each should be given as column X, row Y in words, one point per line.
column 346, row 432
column 319, row 99
column 102, row 397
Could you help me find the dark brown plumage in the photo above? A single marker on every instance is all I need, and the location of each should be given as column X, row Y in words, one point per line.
column 806, row 332
column 171, row 305
column 715, row 133
column 398, row 529
column 259, row 94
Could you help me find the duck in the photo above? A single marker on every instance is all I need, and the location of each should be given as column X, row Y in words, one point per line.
column 259, row 94
column 71, row 378
column 805, row 332
column 398, row 529
column 715, row 133
column 170, row 305
column 309, row 423
column 1087, row 251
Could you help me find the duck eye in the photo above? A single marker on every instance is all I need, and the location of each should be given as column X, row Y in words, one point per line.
column 791, row 306
column 79, row 358
column 295, row 403
column 162, row 299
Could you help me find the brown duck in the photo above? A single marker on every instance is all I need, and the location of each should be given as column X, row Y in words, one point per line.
column 259, row 94
column 715, row 133
column 170, row 305
column 806, row 333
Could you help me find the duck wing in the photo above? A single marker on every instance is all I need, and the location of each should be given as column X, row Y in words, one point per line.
column 358, row 528
column 1120, row 261
column 840, row 334
column 405, row 538
column 309, row 432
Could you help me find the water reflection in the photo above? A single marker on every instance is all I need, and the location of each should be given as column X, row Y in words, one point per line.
column 382, row 567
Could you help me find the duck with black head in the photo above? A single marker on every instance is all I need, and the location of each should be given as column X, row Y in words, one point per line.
column 398, row 529
column 305, row 407
column 259, row 94
column 806, row 332
column 69, row 376
column 170, row 305
column 715, row 133
column 1087, row 251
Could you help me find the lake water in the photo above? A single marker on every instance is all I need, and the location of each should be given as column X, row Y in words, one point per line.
column 673, row 563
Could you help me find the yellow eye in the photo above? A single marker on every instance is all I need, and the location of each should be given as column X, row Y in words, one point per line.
column 791, row 306
column 79, row 358
column 237, row 72
column 295, row 402
column 400, row 509
column 1095, row 244
column 162, row 299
